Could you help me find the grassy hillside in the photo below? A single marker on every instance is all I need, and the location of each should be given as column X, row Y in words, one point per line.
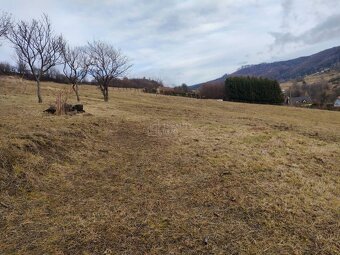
column 332, row 77
column 147, row 174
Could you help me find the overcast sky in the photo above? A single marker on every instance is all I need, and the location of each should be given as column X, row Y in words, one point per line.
column 190, row 41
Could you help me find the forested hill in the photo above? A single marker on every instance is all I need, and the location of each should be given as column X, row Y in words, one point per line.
column 289, row 69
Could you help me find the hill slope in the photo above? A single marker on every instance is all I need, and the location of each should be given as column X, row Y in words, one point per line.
column 332, row 77
column 290, row 69
column 147, row 174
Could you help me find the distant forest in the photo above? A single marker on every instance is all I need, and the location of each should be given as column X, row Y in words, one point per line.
column 54, row 75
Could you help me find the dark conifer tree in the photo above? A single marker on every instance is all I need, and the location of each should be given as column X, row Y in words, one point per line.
column 253, row 90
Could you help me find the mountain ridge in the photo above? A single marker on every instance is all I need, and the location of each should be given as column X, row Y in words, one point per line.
column 286, row 69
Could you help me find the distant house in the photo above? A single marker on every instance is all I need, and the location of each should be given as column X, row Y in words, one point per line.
column 299, row 101
column 337, row 102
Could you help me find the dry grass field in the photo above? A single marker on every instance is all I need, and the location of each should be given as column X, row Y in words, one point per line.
column 147, row 174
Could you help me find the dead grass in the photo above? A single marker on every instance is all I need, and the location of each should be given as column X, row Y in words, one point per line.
column 316, row 78
column 146, row 174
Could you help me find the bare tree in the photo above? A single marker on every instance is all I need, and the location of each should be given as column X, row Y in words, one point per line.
column 107, row 64
column 5, row 23
column 37, row 46
column 213, row 90
column 76, row 66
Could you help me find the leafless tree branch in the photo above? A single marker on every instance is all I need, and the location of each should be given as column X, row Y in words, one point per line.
column 5, row 23
column 36, row 46
column 76, row 66
column 107, row 63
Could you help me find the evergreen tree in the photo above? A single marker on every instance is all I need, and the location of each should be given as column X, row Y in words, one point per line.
column 253, row 90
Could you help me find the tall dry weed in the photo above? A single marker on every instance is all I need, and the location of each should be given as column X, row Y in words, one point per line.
column 61, row 101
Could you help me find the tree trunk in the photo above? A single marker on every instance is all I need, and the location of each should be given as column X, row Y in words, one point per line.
column 76, row 90
column 39, row 92
column 106, row 94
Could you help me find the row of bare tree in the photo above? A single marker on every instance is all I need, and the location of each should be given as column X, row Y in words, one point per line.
column 39, row 49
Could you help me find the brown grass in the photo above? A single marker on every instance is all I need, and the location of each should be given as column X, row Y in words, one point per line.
column 146, row 174
column 314, row 78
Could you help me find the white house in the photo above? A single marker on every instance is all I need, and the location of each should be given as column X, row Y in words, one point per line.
column 337, row 102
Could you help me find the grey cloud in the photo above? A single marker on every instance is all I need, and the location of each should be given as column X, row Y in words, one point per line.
column 324, row 31
column 171, row 23
column 287, row 8
column 283, row 38
column 242, row 63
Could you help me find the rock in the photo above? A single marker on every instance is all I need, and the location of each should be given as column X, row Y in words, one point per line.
column 68, row 109
column 205, row 240
column 78, row 108
column 52, row 109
